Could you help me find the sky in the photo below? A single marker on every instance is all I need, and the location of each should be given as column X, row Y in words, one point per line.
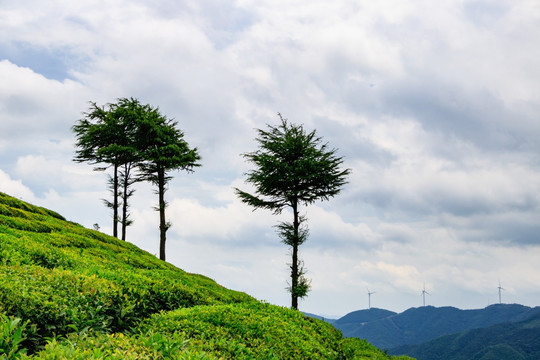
column 434, row 107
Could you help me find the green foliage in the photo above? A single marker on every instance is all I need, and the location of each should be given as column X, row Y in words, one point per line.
column 72, row 278
column 163, row 147
column 354, row 348
column 95, row 345
column 75, row 293
column 292, row 166
column 241, row 331
column 252, row 330
column 13, row 331
column 11, row 206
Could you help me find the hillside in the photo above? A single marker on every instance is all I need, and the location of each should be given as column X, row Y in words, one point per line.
column 365, row 316
column 509, row 341
column 70, row 292
column 319, row 317
column 418, row 325
column 349, row 323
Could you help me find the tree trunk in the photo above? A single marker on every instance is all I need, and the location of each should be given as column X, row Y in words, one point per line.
column 125, row 185
column 294, row 265
column 162, row 222
column 115, row 202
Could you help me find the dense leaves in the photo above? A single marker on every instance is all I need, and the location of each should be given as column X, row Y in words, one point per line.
column 241, row 331
column 74, row 278
column 292, row 166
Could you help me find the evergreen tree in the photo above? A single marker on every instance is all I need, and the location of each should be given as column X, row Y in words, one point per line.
column 106, row 136
column 163, row 149
column 292, row 167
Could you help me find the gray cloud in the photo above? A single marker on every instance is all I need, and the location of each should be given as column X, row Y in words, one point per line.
column 433, row 105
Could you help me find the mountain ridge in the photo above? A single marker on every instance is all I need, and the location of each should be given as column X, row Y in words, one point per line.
column 505, row 341
column 419, row 325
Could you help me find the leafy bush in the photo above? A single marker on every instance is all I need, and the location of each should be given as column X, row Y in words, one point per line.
column 92, row 345
column 71, row 292
column 354, row 348
column 13, row 331
column 250, row 330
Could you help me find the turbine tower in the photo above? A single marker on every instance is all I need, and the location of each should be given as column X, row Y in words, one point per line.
column 500, row 288
column 369, row 297
column 424, row 292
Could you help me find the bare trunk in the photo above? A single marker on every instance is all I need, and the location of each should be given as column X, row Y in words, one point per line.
column 115, row 202
column 162, row 222
column 294, row 265
column 125, row 200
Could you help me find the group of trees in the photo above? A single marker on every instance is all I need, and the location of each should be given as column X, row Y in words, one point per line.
column 137, row 143
column 292, row 168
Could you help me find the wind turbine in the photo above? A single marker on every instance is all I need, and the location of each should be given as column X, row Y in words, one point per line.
column 500, row 288
column 424, row 292
column 369, row 297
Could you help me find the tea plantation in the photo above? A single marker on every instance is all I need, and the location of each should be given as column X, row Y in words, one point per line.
column 67, row 292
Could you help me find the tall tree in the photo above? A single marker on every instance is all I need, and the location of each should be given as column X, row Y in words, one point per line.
column 128, row 114
column 292, row 167
column 93, row 136
column 106, row 136
column 163, row 149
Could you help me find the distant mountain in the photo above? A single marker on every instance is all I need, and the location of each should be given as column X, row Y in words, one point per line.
column 364, row 316
column 508, row 341
column 349, row 323
column 320, row 317
column 387, row 330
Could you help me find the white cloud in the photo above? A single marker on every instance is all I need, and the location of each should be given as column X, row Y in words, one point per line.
column 434, row 106
column 14, row 187
column 36, row 110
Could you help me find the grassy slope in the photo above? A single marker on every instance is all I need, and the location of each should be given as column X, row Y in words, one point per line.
column 70, row 292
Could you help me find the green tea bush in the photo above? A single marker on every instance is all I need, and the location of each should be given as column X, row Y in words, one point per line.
column 67, row 292
column 249, row 331
column 13, row 331
column 354, row 348
column 71, row 279
column 14, row 203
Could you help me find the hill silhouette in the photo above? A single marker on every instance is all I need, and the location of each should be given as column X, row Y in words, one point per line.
column 419, row 325
column 365, row 316
column 508, row 341
column 71, row 292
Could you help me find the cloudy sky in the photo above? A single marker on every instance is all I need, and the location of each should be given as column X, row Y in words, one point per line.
column 434, row 106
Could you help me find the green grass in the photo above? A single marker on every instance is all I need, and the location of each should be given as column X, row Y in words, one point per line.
column 70, row 292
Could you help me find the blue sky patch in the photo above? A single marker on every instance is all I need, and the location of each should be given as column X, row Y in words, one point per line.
column 51, row 63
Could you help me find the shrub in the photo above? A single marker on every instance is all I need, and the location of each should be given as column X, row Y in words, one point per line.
column 13, row 331
column 92, row 296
